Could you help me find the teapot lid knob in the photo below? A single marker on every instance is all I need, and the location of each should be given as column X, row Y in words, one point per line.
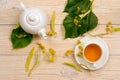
column 33, row 19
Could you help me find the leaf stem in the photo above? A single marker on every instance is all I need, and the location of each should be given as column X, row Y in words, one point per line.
column 83, row 15
column 115, row 29
column 95, row 35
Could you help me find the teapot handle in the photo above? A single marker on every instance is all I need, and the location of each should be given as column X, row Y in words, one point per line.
column 42, row 33
column 22, row 6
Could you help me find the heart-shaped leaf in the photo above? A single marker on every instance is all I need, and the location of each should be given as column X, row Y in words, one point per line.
column 74, row 29
column 20, row 38
column 77, row 6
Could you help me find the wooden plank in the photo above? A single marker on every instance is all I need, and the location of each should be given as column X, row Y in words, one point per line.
column 12, row 67
column 13, row 3
column 12, row 61
column 105, row 12
column 6, row 47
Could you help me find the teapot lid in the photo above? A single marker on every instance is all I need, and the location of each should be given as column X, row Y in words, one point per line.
column 32, row 16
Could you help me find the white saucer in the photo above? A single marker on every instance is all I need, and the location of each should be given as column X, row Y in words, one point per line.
column 102, row 60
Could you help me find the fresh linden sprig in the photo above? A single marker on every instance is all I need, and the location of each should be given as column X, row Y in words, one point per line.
column 109, row 29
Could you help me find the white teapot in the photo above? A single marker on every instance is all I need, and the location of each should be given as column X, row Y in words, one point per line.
column 33, row 20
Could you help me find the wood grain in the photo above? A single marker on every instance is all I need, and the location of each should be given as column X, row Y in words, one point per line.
column 12, row 61
column 105, row 12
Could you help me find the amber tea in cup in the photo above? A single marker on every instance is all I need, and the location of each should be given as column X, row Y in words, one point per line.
column 92, row 52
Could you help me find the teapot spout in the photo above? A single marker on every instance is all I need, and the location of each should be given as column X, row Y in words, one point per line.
column 42, row 33
column 22, row 6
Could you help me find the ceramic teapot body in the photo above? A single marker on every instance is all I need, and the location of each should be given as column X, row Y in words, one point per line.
column 33, row 20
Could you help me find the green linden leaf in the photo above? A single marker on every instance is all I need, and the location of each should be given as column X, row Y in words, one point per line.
column 90, row 21
column 77, row 6
column 80, row 18
column 76, row 26
column 20, row 38
column 72, row 30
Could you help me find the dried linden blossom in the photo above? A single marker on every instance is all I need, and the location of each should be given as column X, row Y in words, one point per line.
column 42, row 47
column 109, row 29
column 69, row 52
column 34, row 53
column 37, row 61
column 29, row 58
column 80, row 47
column 79, row 54
column 52, row 25
column 76, row 22
column 78, row 41
column 52, row 55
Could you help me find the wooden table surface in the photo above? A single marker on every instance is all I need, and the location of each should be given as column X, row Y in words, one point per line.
column 12, row 61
